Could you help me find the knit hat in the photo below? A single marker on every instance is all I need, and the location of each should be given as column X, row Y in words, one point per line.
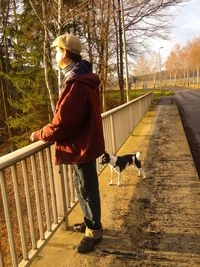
column 69, row 42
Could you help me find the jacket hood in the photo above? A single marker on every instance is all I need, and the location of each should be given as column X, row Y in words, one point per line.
column 81, row 67
column 82, row 72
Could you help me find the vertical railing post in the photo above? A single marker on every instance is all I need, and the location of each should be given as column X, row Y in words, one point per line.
column 71, row 184
column 8, row 220
column 1, row 258
column 112, row 134
column 19, row 212
column 130, row 116
column 140, row 107
column 60, row 190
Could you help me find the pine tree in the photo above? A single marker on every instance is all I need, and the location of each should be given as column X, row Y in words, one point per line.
column 30, row 102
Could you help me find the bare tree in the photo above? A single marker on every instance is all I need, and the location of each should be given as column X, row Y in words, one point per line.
column 193, row 49
column 96, row 33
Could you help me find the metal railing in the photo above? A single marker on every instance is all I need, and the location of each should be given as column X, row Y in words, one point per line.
column 36, row 196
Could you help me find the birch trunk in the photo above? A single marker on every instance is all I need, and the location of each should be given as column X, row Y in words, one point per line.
column 175, row 80
column 45, row 61
column 121, row 65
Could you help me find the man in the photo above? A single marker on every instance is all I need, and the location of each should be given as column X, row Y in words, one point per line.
column 77, row 130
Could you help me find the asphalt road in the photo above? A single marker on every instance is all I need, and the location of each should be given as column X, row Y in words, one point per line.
column 188, row 102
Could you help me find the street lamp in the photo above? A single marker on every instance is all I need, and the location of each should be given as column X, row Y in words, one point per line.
column 160, row 67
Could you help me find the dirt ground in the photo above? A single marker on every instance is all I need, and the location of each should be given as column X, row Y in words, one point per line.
column 152, row 222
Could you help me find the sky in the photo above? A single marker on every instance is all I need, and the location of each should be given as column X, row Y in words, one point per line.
column 185, row 27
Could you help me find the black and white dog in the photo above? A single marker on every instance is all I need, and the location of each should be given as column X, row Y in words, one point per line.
column 119, row 163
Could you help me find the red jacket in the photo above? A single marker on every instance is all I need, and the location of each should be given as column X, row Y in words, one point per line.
column 77, row 125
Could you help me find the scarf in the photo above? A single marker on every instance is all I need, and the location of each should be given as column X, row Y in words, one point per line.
column 68, row 68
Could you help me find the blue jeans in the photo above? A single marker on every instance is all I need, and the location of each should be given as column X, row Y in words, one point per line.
column 87, row 188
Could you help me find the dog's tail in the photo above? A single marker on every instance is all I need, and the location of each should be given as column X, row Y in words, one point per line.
column 137, row 155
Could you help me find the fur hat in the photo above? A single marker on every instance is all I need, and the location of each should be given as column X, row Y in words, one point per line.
column 69, row 42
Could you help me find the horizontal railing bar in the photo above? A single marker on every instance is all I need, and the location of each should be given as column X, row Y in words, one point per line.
column 20, row 154
column 107, row 113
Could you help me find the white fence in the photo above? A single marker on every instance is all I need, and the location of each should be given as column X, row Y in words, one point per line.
column 36, row 197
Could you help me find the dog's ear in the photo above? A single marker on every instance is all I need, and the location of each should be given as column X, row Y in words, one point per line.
column 138, row 155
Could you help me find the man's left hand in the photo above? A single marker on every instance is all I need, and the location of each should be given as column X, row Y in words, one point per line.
column 32, row 137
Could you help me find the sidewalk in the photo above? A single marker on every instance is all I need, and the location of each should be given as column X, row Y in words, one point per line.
column 151, row 222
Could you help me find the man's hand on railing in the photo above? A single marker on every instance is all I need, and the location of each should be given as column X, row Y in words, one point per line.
column 32, row 137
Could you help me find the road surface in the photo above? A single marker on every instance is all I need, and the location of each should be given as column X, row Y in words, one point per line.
column 188, row 102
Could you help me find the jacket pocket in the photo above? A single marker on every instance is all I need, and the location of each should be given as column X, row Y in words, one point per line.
column 67, row 148
column 75, row 147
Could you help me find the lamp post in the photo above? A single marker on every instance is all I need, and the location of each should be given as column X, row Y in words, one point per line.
column 160, row 67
